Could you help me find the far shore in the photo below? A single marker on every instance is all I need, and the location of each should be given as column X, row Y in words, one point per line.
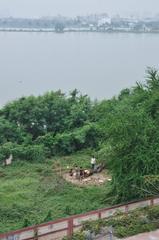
column 47, row 30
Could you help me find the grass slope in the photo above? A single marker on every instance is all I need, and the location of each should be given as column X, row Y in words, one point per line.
column 31, row 193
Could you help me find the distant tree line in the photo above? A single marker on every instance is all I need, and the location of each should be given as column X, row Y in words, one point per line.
column 94, row 22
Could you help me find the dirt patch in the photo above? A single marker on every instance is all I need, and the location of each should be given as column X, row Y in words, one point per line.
column 96, row 179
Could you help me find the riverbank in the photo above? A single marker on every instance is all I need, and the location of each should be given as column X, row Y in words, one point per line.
column 67, row 30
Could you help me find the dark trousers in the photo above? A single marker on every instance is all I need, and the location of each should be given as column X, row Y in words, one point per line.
column 93, row 165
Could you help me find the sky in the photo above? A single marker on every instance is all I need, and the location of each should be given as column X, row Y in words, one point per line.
column 36, row 8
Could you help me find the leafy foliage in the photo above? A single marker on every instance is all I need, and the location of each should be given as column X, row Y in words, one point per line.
column 53, row 112
column 22, row 152
column 70, row 142
column 130, row 144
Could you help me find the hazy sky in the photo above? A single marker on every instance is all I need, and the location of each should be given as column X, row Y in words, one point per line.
column 35, row 8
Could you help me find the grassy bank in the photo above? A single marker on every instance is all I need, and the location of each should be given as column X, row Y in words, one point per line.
column 31, row 193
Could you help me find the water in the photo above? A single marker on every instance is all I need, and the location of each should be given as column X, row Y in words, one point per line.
column 95, row 63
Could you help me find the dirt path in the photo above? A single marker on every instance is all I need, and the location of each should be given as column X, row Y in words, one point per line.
column 95, row 179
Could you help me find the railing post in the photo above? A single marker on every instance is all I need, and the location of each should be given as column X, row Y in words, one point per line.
column 151, row 202
column 99, row 215
column 36, row 233
column 70, row 227
column 126, row 209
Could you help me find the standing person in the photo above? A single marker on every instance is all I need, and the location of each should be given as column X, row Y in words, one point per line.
column 93, row 162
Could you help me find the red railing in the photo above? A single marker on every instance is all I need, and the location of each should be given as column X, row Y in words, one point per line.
column 56, row 230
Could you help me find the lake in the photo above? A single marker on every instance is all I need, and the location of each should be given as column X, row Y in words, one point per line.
column 97, row 64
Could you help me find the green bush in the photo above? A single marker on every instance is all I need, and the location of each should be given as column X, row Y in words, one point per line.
column 153, row 213
column 5, row 151
column 121, row 231
column 76, row 236
column 48, row 217
column 22, row 152
column 70, row 142
column 29, row 153
column 26, row 223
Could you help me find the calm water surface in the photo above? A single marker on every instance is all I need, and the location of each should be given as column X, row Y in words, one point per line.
column 95, row 63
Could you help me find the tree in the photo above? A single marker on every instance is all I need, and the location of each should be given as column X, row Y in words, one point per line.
column 59, row 27
column 9, row 132
column 152, row 79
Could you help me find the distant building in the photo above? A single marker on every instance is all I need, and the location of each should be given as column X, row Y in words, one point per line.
column 104, row 21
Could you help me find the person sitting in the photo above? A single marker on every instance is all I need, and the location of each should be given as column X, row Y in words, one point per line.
column 100, row 167
column 88, row 173
column 71, row 172
column 81, row 173
column 77, row 172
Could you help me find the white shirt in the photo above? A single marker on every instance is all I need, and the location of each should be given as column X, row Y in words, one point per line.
column 93, row 161
column 9, row 160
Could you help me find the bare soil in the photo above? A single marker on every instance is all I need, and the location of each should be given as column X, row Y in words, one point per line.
column 96, row 179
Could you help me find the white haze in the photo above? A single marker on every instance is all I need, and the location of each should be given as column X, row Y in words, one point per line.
column 36, row 8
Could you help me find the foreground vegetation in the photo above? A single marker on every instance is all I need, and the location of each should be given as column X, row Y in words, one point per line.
column 123, row 225
column 123, row 132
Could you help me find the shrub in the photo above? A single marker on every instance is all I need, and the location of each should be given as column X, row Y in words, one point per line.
column 153, row 213
column 29, row 153
column 76, row 236
column 26, row 223
column 5, row 151
column 67, row 143
column 22, row 152
column 67, row 210
column 48, row 217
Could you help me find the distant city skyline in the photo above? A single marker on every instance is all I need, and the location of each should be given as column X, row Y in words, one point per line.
column 39, row 8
